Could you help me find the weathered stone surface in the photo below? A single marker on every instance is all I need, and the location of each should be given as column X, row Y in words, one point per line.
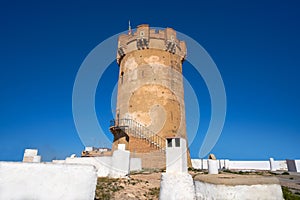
column 153, row 159
column 47, row 181
column 176, row 186
column 235, row 179
column 150, row 86
column 235, row 187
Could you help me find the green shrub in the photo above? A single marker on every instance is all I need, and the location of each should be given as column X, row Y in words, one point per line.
column 288, row 195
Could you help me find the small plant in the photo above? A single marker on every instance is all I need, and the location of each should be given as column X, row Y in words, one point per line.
column 227, row 171
column 288, row 195
column 154, row 191
column 106, row 187
column 272, row 173
column 163, row 170
column 194, row 169
column 260, row 173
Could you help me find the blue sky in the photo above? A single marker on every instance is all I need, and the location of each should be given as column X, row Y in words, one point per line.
column 255, row 45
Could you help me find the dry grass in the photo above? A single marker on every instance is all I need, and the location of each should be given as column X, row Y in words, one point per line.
column 138, row 186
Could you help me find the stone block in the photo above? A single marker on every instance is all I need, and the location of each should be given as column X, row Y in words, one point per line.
column 47, row 181
column 120, row 164
column 135, row 164
column 176, row 155
column 236, row 187
column 176, row 186
column 213, row 166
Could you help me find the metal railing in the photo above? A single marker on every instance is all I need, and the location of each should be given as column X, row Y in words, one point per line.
column 138, row 130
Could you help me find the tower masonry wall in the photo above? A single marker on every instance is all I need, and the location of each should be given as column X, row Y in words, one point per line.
column 150, row 89
column 150, row 86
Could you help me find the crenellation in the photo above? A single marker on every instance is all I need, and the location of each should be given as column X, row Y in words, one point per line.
column 146, row 38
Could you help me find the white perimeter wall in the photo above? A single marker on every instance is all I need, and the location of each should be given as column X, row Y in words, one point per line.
column 135, row 164
column 176, row 186
column 212, row 191
column 297, row 162
column 102, row 164
column 45, row 181
column 242, row 165
column 259, row 165
column 116, row 166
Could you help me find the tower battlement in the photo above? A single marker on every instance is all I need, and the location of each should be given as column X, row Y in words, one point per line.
column 146, row 38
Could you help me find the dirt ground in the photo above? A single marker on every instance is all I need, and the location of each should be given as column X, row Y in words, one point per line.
column 146, row 185
column 291, row 181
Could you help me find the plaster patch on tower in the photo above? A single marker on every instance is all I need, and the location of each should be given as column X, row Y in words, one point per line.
column 150, row 56
column 141, row 106
column 154, row 60
column 142, row 117
column 134, row 75
column 130, row 64
column 158, row 117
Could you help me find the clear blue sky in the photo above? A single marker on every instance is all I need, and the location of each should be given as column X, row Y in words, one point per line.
column 255, row 44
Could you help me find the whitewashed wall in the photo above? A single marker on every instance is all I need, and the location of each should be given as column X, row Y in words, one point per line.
column 176, row 186
column 259, row 165
column 176, row 156
column 241, row 165
column 102, row 164
column 213, row 191
column 21, row 181
column 135, row 164
column 199, row 163
column 297, row 162
column 118, row 165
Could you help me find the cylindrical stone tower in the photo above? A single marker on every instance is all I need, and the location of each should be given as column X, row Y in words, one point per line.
column 150, row 104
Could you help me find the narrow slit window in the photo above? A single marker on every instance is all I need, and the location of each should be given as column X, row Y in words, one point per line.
column 122, row 76
column 177, row 142
column 169, row 141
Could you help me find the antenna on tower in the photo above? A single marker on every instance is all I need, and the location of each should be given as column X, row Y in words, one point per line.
column 129, row 28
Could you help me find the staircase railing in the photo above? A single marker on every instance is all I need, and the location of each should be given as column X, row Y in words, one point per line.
column 138, row 130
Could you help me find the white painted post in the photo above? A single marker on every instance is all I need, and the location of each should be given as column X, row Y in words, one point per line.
column 36, row 159
column 297, row 162
column 29, row 155
column 227, row 164
column 176, row 183
column 121, row 147
column 89, row 149
column 272, row 165
column 212, row 166
column 221, row 164
column 176, row 155
column 120, row 163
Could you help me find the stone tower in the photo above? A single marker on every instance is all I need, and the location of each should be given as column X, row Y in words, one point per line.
column 150, row 103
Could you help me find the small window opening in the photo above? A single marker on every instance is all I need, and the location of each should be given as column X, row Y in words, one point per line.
column 122, row 76
column 169, row 141
column 177, row 142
